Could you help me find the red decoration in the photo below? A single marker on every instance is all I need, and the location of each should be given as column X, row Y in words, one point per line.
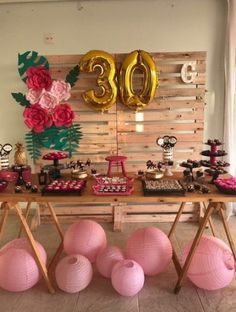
column 38, row 78
column 63, row 115
column 55, row 156
column 37, row 118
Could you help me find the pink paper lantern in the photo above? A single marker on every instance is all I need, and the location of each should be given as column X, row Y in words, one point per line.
column 127, row 277
column 107, row 258
column 73, row 273
column 23, row 243
column 18, row 269
column 151, row 248
column 213, row 265
column 85, row 237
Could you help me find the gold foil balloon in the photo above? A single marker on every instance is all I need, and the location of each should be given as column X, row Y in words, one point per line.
column 142, row 61
column 105, row 96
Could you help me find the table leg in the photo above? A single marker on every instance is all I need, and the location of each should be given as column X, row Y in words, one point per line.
column 181, row 208
column 60, row 231
column 55, row 220
column 174, row 257
column 211, row 223
column 227, row 230
column 3, row 222
column 37, row 256
column 25, row 216
column 195, row 243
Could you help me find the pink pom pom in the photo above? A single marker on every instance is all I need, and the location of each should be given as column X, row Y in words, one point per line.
column 151, row 248
column 73, row 273
column 212, row 266
column 127, row 277
column 85, row 237
column 18, row 269
column 107, row 258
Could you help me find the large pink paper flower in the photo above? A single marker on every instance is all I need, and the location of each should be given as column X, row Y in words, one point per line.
column 61, row 90
column 33, row 96
column 63, row 115
column 38, row 78
column 37, row 118
column 48, row 101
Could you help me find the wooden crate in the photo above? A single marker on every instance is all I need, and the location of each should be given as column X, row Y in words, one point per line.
column 178, row 109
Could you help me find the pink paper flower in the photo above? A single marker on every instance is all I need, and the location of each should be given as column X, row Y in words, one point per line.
column 33, row 96
column 38, row 78
column 63, row 115
column 61, row 90
column 48, row 101
column 37, row 118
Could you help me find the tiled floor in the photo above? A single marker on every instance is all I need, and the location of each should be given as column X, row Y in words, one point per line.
column 156, row 295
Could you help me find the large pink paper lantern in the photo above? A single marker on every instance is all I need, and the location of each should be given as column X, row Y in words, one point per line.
column 18, row 268
column 127, row 277
column 23, row 243
column 85, row 237
column 107, row 258
column 213, row 265
column 151, row 248
column 73, row 273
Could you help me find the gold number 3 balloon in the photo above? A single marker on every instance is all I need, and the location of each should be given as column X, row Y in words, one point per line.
column 143, row 61
column 106, row 95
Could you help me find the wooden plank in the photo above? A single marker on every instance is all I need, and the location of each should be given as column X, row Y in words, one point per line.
column 94, row 117
column 158, row 218
column 175, row 92
column 197, row 114
column 148, row 138
column 154, row 128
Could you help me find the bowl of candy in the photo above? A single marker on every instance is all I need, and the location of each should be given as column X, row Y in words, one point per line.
column 3, row 185
column 226, row 185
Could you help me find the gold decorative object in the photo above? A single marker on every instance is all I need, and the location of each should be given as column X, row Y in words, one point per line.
column 105, row 95
column 79, row 174
column 142, row 61
column 154, row 174
column 20, row 155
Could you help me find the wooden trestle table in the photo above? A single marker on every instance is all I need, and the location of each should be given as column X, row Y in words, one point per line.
column 212, row 201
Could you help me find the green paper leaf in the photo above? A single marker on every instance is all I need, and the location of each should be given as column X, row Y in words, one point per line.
column 72, row 77
column 30, row 59
column 21, row 99
column 61, row 139
column 33, row 145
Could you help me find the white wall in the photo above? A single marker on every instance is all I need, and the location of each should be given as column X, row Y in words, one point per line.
column 113, row 26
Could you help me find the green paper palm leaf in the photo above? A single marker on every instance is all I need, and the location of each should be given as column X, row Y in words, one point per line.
column 33, row 145
column 61, row 139
column 30, row 59
column 72, row 77
column 21, row 99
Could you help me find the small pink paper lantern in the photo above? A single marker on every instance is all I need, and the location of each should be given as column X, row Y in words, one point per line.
column 127, row 277
column 151, row 248
column 107, row 258
column 18, row 269
column 73, row 273
column 213, row 265
column 85, row 237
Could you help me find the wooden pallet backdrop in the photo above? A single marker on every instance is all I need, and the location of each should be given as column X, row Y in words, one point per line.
column 178, row 109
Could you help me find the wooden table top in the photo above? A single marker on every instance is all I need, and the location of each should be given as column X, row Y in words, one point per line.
column 136, row 197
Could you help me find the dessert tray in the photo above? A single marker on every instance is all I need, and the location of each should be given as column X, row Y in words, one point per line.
column 162, row 187
column 105, row 180
column 64, row 187
column 227, row 185
column 113, row 189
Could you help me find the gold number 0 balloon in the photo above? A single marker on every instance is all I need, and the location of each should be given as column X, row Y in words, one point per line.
column 138, row 60
column 106, row 96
